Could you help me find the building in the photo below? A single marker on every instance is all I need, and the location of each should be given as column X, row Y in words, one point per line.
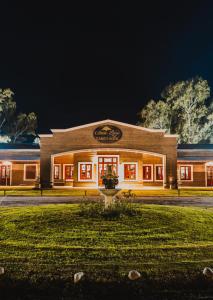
column 19, row 164
column 77, row 157
column 195, row 165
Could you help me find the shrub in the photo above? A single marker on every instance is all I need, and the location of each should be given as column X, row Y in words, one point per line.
column 119, row 209
column 91, row 209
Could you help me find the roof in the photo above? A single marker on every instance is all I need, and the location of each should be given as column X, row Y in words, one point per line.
column 195, row 158
column 8, row 146
column 195, row 146
column 105, row 122
column 19, row 152
column 16, row 157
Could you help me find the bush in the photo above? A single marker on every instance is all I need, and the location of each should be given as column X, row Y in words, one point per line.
column 91, row 209
column 117, row 210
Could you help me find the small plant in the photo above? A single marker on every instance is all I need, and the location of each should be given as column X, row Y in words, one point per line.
column 129, row 195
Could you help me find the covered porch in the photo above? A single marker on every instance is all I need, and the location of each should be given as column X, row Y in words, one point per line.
column 136, row 169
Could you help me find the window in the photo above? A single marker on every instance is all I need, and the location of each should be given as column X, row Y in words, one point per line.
column 68, row 172
column 57, row 171
column 130, row 171
column 104, row 162
column 147, row 172
column 185, row 173
column 30, row 172
column 85, row 171
column 5, row 171
column 159, row 172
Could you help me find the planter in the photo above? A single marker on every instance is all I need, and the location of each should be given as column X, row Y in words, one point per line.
column 108, row 196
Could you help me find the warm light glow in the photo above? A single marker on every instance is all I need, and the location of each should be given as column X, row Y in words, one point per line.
column 6, row 163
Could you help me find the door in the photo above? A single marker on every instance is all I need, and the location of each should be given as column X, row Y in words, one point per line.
column 4, row 175
column 209, row 175
column 103, row 163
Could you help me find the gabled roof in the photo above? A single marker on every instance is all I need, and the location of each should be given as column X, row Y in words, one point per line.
column 105, row 122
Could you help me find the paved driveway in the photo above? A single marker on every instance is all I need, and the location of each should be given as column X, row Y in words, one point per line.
column 179, row 201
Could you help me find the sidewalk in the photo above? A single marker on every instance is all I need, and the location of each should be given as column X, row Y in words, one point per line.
column 163, row 200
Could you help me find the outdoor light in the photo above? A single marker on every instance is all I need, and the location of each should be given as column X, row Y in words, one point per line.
column 171, row 180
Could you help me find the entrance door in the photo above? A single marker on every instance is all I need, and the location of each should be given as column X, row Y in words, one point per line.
column 209, row 175
column 103, row 163
column 5, row 175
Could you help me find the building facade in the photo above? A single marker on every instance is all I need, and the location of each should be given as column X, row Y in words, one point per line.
column 78, row 157
column 19, row 164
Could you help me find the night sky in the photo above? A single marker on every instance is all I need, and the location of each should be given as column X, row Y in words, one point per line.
column 74, row 64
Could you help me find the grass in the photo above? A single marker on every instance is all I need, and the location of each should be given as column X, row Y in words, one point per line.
column 57, row 240
column 28, row 191
column 42, row 247
column 187, row 192
column 49, row 192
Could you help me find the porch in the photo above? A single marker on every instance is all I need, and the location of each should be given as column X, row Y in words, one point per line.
column 84, row 169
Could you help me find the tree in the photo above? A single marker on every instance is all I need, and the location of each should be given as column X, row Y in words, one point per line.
column 155, row 115
column 183, row 110
column 7, row 108
column 23, row 124
column 15, row 126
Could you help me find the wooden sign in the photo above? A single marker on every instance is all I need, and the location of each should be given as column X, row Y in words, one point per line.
column 107, row 134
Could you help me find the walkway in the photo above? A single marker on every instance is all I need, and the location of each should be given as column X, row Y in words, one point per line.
column 179, row 201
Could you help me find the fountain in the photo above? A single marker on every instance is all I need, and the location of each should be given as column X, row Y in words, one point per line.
column 110, row 180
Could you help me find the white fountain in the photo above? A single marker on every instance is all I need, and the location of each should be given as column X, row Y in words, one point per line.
column 110, row 180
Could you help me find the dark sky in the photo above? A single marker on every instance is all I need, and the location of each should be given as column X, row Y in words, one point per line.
column 79, row 63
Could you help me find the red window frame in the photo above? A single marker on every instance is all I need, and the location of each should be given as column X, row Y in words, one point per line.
column 87, row 173
column 185, row 175
column 103, row 161
column 129, row 171
column 159, row 174
column 147, row 173
column 209, row 170
column 68, row 172
column 57, row 171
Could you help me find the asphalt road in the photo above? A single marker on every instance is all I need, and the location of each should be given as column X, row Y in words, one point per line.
column 179, row 201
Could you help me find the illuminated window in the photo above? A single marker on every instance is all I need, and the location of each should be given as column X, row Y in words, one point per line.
column 68, row 172
column 30, row 172
column 129, row 171
column 5, row 171
column 85, row 171
column 186, row 173
column 158, row 172
column 147, row 173
column 57, row 171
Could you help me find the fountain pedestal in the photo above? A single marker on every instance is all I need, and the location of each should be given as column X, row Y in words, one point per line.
column 108, row 196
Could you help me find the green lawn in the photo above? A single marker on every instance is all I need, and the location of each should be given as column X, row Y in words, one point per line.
column 27, row 191
column 48, row 192
column 54, row 240
column 208, row 192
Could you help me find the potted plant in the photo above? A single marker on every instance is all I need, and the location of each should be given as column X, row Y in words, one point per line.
column 110, row 179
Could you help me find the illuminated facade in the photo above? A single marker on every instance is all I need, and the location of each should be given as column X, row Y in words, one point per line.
column 77, row 157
